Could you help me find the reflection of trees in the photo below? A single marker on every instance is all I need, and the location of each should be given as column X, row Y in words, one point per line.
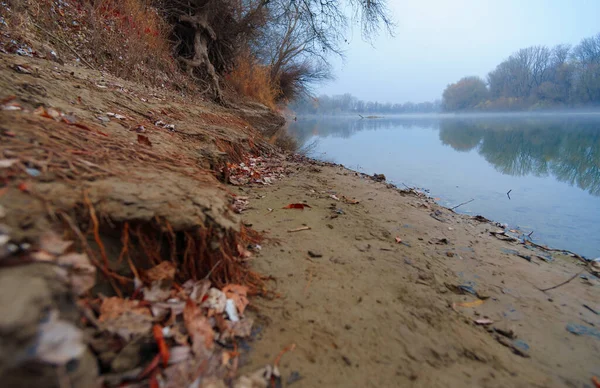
column 347, row 126
column 567, row 148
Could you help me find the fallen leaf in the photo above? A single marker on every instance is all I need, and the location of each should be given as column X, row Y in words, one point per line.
column 296, row 206
column 474, row 303
column 239, row 294
column 23, row 187
column 350, row 201
column 129, row 324
column 215, row 300
column 198, row 328
column 164, row 271
column 144, row 140
column 156, row 292
column 114, row 307
column 58, row 341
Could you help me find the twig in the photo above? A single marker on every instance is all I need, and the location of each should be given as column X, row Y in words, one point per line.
column 289, row 348
column 299, row 229
column 508, row 193
column 464, row 203
column 561, row 284
column 59, row 40
column 529, row 235
column 212, row 269
column 310, row 276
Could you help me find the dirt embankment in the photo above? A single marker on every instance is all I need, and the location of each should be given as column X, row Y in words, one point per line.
column 368, row 286
column 119, row 244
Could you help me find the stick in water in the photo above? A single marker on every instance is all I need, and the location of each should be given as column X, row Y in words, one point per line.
column 508, row 193
column 464, row 203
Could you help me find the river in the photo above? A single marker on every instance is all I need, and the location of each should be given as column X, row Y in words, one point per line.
column 550, row 164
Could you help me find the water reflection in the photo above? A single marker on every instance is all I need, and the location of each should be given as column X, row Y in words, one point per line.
column 567, row 148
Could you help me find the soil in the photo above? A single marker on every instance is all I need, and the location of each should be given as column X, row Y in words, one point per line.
column 383, row 292
column 368, row 311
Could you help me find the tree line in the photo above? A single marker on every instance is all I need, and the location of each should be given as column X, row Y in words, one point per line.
column 535, row 77
column 348, row 104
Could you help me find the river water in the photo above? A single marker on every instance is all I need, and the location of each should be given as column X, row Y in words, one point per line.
column 551, row 164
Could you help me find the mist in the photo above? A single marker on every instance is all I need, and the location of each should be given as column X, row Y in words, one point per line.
column 437, row 42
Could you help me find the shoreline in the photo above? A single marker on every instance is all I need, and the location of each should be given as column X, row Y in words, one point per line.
column 452, row 286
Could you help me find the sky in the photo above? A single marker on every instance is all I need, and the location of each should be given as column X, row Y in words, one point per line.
column 437, row 42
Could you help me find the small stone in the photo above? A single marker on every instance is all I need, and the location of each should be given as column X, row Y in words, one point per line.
column 314, row 254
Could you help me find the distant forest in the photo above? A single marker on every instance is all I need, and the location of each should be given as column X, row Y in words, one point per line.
column 348, row 104
column 536, row 77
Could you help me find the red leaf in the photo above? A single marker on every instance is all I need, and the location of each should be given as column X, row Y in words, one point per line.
column 144, row 140
column 296, row 206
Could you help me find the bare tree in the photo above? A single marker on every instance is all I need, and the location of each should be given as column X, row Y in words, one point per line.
column 299, row 33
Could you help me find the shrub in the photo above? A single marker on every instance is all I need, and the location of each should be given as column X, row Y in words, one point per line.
column 253, row 80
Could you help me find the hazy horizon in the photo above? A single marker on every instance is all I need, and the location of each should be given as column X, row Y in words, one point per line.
column 438, row 42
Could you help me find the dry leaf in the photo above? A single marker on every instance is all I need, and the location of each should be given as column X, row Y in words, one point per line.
column 198, row 328
column 215, row 300
column 474, row 303
column 350, row 201
column 144, row 140
column 164, row 271
column 239, row 295
column 129, row 324
column 156, row 292
column 114, row 307
column 296, row 206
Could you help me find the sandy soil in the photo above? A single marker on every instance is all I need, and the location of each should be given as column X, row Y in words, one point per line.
column 367, row 311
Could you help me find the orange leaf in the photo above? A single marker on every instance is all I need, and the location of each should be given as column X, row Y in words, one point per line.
column 144, row 140
column 24, row 187
column 162, row 345
column 474, row 303
column 296, row 206
column 596, row 381
column 198, row 328
column 239, row 295
column 350, row 201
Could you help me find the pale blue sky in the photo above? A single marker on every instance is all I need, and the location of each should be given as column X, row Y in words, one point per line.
column 439, row 41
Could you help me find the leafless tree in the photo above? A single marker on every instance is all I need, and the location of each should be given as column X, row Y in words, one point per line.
column 297, row 35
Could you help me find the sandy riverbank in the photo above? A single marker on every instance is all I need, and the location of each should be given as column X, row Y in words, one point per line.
column 364, row 310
